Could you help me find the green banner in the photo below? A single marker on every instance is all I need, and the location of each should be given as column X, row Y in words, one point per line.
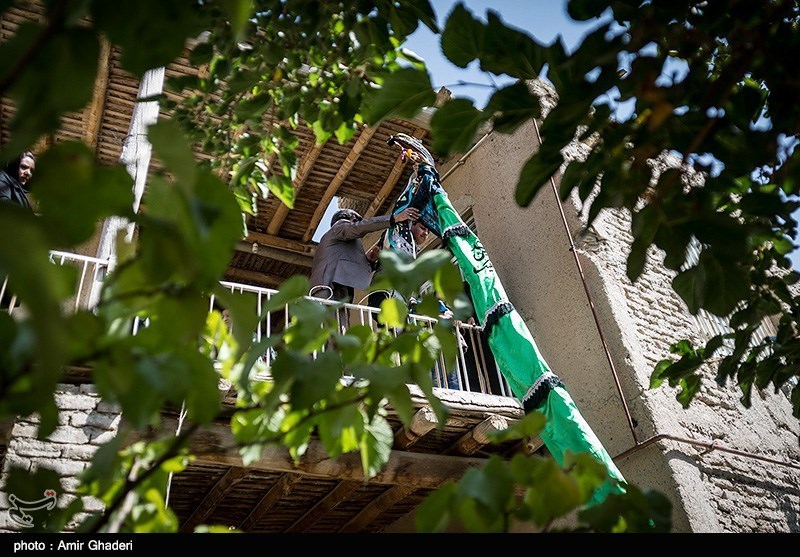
column 516, row 353
column 512, row 345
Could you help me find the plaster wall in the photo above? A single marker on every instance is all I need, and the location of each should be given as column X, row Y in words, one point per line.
column 530, row 248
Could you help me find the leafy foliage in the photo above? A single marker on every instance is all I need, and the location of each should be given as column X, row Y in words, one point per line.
column 535, row 490
column 712, row 84
column 706, row 83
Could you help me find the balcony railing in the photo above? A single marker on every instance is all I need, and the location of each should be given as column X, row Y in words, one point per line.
column 91, row 272
column 475, row 367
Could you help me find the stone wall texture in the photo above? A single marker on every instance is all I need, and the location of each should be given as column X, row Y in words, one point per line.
column 85, row 422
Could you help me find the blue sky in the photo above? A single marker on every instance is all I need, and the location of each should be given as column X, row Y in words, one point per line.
column 542, row 19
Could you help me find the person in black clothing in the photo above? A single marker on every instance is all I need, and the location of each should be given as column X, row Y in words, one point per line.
column 15, row 178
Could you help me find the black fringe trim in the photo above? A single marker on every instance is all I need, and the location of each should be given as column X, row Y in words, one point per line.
column 494, row 316
column 534, row 399
column 456, row 230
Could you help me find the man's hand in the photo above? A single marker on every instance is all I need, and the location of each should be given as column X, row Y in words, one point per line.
column 409, row 213
column 373, row 253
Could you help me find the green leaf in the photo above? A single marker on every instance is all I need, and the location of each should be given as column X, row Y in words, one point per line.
column 243, row 169
column 434, row 513
column 310, row 325
column 587, row 471
column 341, row 429
column 69, row 219
column 393, row 312
column 633, row 511
column 403, row 94
column 583, row 10
column 491, row 487
column 512, row 106
column 657, row 377
column 712, row 284
column 536, row 172
column 170, row 145
column 244, row 316
column 748, row 101
column 201, row 54
column 529, row 426
column 42, row 342
column 312, row 380
column 462, row 38
column 202, row 393
column 105, row 464
column 690, row 386
column 281, row 186
column 555, row 493
column 66, row 62
column 447, row 282
column 455, row 125
column 376, row 446
column 344, row 133
column 26, row 487
column 510, row 51
column 404, row 274
column 162, row 26
column 645, row 226
column 404, row 22
column 215, row 226
column 292, row 288
column 239, row 12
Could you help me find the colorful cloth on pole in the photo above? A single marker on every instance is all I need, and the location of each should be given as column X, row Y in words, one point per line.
column 513, row 347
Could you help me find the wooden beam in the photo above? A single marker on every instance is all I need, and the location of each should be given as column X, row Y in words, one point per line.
column 528, row 446
column 423, row 421
column 391, row 180
column 93, row 114
column 469, row 402
column 281, row 489
column 338, row 494
column 273, row 253
column 299, row 180
column 281, row 243
column 269, row 162
column 217, row 493
column 377, row 507
column 338, row 180
column 253, row 277
column 478, row 437
column 215, row 444
column 44, row 143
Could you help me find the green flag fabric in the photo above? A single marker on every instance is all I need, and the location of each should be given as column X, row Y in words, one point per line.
column 530, row 378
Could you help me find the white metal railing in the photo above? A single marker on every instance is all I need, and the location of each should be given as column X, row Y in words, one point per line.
column 475, row 367
column 91, row 272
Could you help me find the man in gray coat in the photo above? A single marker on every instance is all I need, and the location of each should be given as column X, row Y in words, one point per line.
column 340, row 265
